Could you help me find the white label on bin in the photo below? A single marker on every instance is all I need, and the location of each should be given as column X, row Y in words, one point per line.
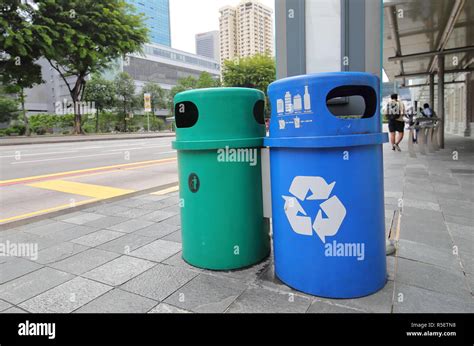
column 320, row 190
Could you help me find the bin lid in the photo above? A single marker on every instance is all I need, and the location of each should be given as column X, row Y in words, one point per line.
column 301, row 110
column 217, row 117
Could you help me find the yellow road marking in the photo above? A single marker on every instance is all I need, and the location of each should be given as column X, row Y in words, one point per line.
column 26, row 179
column 165, row 191
column 45, row 211
column 89, row 190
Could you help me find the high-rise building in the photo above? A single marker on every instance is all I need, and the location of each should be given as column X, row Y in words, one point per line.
column 245, row 30
column 157, row 19
column 207, row 44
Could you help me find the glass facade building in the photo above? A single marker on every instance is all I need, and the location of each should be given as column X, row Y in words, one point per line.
column 157, row 19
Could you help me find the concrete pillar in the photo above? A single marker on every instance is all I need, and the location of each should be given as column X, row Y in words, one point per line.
column 432, row 105
column 469, row 104
column 441, row 99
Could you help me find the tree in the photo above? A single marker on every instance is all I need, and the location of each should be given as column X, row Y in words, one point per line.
column 158, row 96
column 22, row 42
column 125, row 90
column 102, row 93
column 205, row 80
column 8, row 107
column 257, row 72
column 88, row 35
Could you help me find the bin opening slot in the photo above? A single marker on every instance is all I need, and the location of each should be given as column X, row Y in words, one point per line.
column 186, row 114
column 362, row 102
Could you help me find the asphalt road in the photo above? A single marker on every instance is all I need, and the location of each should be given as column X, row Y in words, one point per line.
column 39, row 177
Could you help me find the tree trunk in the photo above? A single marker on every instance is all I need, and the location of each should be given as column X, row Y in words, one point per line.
column 77, row 120
column 97, row 120
column 23, row 111
column 124, row 115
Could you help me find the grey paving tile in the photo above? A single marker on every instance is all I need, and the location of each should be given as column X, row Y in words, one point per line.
column 247, row 275
column 441, row 257
column 42, row 242
column 164, row 308
column 4, row 305
column 461, row 231
column 150, row 198
column 106, row 222
column 59, row 252
column 130, row 202
column 66, row 297
column 110, row 210
column 458, row 208
column 131, row 225
column 32, row 284
column 72, row 233
column 460, row 220
column 13, row 267
column 35, row 224
column 126, row 244
column 81, row 218
column 48, row 228
column 174, row 220
column 157, row 230
column 157, row 251
column 432, row 277
column 175, row 236
column 14, row 310
column 84, row 261
column 177, row 261
column 159, row 282
column 157, row 216
column 97, row 238
column 206, row 293
column 415, row 203
column 378, row 302
column 259, row 300
column 420, row 195
column 119, row 270
column 118, row 301
column 423, row 232
column 135, row 213
column 464, row 246
column 410, row 299
column 467, row 261
column 161, row 204
column 174, row 209
column 325, row 307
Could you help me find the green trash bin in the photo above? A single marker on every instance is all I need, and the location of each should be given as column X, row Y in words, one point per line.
column 219, row 133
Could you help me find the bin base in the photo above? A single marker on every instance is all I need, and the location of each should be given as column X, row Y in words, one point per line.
column 228, row 267
column 318, row 293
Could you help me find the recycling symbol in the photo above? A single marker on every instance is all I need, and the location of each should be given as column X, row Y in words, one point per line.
column 297, row 217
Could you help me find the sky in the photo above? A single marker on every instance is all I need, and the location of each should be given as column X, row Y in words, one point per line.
column 191, row 17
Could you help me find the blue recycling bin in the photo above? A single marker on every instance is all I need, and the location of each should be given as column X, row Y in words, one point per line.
column 327, row 184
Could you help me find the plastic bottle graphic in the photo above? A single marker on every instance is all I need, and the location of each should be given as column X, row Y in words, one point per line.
column 288, row 104
column 307, row 99
column 297, row 103
column 280, row 106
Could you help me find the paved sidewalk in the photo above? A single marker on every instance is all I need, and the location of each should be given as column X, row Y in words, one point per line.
column 46, row 139
column 125, row 256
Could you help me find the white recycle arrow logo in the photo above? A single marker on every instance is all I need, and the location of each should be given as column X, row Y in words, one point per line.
column 332, row 207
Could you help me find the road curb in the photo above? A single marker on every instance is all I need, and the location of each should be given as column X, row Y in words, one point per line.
column 82, row 139
column 54, row 214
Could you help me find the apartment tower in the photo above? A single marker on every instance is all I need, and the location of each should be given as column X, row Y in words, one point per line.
column 245, row 30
